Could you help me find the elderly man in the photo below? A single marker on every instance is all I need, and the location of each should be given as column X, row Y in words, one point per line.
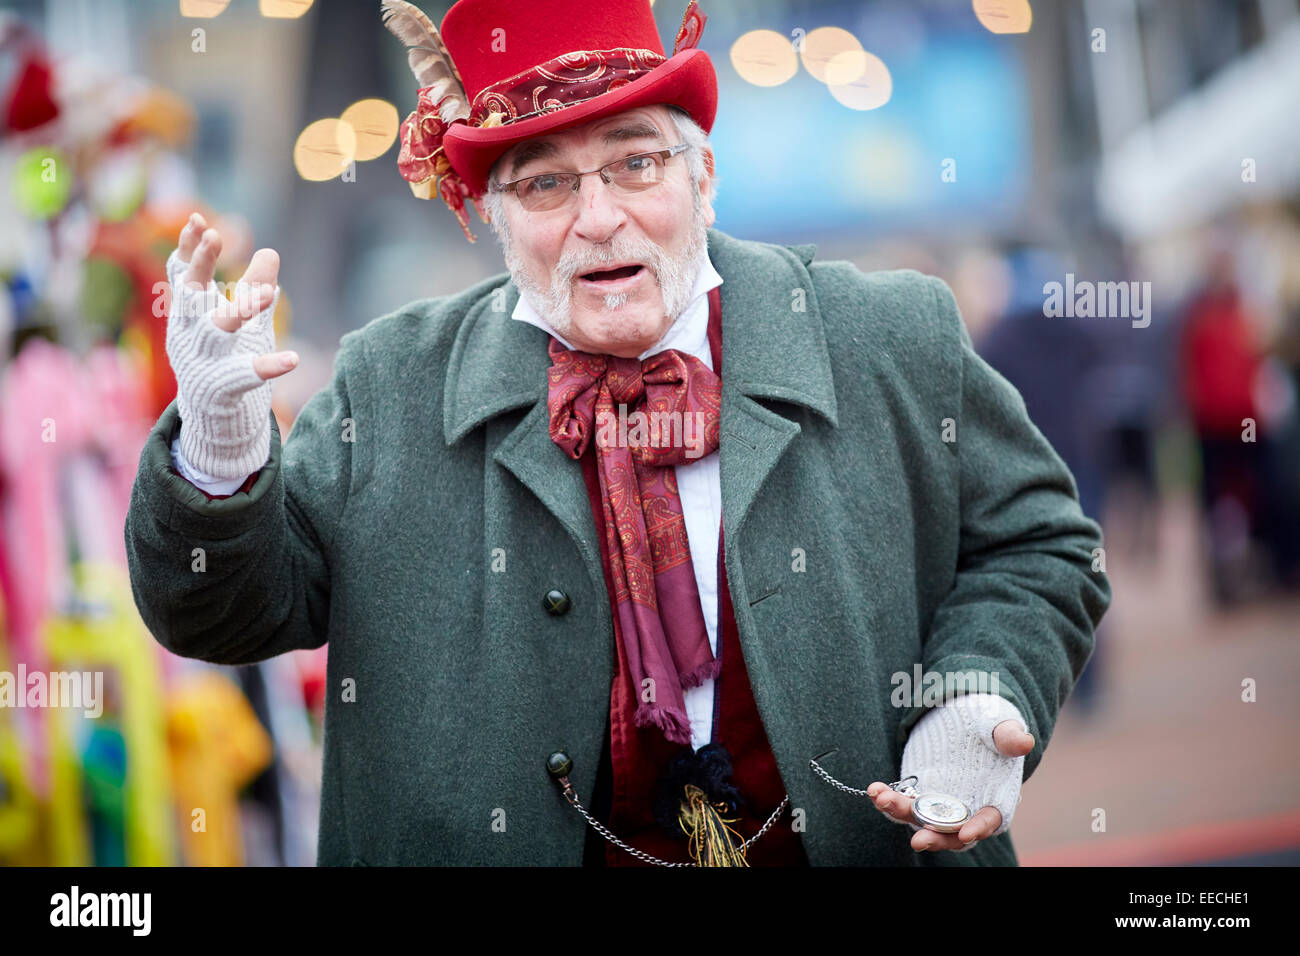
column 632, row 554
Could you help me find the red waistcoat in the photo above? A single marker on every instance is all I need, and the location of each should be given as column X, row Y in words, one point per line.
column 637, row 755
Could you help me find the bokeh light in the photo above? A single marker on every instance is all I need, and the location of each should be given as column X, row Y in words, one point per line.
column 1004, row 16
column 871, row 86
column 324, row 149
column 375, row 123
column 823, row 45
column 203, row 9
column 284, row 9
column 845, row 67
column 764, row 58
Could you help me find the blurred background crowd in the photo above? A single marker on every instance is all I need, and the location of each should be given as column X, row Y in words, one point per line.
column 1008, row 146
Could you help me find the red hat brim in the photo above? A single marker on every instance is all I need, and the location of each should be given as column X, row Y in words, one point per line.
column 686, row 80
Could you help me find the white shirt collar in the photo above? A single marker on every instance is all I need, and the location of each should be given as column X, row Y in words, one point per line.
column 688, row 333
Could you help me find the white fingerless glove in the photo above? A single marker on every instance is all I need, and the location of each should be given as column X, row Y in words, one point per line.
column 951, row 750
column 224, row 405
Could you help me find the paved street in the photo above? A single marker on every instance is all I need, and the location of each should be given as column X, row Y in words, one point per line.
column 1185, row 771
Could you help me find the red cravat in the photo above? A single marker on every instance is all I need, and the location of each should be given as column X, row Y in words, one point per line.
column 646, row 417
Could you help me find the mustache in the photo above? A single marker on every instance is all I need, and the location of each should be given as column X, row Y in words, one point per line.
column 580, row 262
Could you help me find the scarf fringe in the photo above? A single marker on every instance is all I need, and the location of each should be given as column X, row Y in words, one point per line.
column 710, row 670
column 674, row 725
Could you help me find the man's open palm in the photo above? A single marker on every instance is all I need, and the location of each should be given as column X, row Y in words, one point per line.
column 1011, row 742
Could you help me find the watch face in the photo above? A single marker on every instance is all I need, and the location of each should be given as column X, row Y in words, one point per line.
column 940, row 812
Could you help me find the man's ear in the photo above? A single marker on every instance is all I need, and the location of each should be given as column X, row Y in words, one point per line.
column 706, row 204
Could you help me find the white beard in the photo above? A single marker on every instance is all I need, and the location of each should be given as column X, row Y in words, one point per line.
column 676, row 276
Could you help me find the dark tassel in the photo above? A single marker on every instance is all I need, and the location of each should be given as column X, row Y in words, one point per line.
column 709, row 771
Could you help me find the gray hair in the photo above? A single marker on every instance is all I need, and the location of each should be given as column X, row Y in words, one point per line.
column 688, row 131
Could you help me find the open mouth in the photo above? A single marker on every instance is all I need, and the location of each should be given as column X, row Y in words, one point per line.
column 613, row 275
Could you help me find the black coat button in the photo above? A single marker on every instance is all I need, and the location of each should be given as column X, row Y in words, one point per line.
column 559, row 764
column 556, row 602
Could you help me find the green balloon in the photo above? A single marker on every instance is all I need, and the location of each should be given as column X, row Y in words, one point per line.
column 42, row 182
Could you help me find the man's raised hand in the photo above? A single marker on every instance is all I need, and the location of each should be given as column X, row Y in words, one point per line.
column 223, row 353
column 200, row 247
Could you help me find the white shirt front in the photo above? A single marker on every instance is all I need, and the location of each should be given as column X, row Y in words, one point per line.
column 698, row 483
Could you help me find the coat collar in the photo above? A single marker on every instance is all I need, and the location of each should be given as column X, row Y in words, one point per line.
column 770, row 350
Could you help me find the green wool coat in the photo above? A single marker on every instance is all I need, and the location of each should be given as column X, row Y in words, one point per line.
column 886, row 502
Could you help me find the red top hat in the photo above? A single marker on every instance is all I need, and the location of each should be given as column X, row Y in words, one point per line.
column 502, row 72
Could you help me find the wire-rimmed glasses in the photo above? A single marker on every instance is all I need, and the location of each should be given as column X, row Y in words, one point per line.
column 631, row 174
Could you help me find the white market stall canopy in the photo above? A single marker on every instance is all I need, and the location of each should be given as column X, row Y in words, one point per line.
column 1199, row 157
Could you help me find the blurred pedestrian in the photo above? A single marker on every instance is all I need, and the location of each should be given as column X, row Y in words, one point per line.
column 1221, row 361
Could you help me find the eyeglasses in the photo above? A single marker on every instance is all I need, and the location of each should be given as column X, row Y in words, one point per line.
column 631, row 174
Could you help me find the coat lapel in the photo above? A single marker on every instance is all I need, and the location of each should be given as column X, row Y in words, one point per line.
column 497, row 365
column 771, row 350
column 555, row 478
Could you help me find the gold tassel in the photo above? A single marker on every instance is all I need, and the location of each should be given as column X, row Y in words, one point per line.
column 712, row 842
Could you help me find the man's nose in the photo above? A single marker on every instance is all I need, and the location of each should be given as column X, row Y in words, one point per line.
column 600, row 214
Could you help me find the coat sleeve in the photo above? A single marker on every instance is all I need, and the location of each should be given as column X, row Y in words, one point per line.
column 241, row 579
column 1025, row 599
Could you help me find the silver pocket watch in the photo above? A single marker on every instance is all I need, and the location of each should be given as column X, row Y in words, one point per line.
column 931, row 809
